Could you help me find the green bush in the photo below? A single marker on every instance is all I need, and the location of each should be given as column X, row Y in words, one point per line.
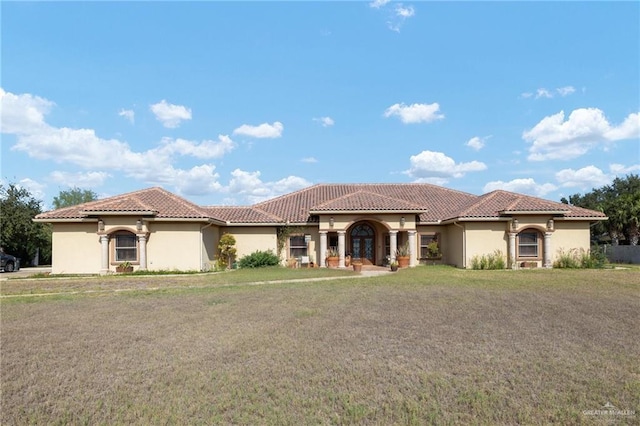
column 574, row 258
column 259, row 259
column 495, row 260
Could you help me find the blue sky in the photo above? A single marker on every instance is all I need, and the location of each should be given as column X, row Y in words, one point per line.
column 236, row 102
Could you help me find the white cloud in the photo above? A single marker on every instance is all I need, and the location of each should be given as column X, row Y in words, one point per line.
column 36, row 189
column 309, row 160
column 405, row 12
column 523, row 186
column 377, row 4
column 325, row 121
column 170, row 115
column 543, row 93
column 436, row 165
column 205, row 150
column 477, row 142
column 79, row 179
column 621, row 169
column 264, row 130
column 128, row 114
column 254, row 190
column 565, row 91
column 82, row 147
column 415, row 113
column 22, row 114
column 526, row 95
column 586, row 177
column 553, row 138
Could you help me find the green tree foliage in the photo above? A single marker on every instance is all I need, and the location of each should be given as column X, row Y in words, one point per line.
column 19, row 235
column 259, row 259
column 73, row 197
column 620, row 201
column 227, row 249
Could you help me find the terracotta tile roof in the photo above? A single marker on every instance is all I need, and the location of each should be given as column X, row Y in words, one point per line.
column 435, row 202
column 367, row 201
column 495, row 203
column 163, row 203
column 242, row 215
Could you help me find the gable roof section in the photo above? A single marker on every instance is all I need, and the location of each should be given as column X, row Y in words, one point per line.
column 367, row 201
column 503, row 203
column 155, row 202
column 408, row 197
column 242, row 215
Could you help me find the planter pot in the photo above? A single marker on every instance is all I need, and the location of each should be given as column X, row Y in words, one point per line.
column 357, row 267
column 124, row 270
column 333, row 262
column 403, row 261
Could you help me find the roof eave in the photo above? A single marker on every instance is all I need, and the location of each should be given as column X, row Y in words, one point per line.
column 65, row 219
column 536, row 212
column 367, row 211
column 119, row 212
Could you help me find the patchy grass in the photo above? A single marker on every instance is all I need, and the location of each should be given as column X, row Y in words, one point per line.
column 430, row 345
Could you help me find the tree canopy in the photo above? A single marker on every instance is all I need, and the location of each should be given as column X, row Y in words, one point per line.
column 19, row 235
column 72, row 197
column 620, row 201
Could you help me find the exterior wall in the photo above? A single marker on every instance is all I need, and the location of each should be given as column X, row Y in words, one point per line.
column 174, row 245
column 250, row 239
column 453, row 246
column 209, row 249
column 569, row 235
column 484, row 238
column 76, row 248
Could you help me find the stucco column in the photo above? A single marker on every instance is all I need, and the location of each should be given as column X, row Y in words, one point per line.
column 104, row 245
column 547, row 250
column 341, row 248
column 512, row 250
column 143, row 252
column 412, row 249
column 323, row 249
column 393, row 244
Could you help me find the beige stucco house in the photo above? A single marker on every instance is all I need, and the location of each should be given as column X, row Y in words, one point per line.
column 157, row 230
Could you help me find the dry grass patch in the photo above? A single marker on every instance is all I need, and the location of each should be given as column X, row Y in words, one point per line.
column 428, row 345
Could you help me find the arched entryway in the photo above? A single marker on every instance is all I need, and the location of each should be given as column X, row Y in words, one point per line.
column 362, row 239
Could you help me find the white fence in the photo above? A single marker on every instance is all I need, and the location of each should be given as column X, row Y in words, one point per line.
column 623, row 254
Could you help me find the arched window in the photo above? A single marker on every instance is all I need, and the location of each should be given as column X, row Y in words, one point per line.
column 125, row 247
column 529, row 244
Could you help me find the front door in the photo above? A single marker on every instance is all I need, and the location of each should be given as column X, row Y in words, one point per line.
column 363, row 239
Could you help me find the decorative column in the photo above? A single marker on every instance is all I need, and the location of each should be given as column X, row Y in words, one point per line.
column 512, row 250
column 104, row 245
column 341, row 248
column 393, row 244
column 412, row 249
column 547, row 250
column 142, row 239
column 323, row 248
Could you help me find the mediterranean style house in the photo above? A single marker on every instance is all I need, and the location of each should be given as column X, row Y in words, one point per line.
column 156, row 230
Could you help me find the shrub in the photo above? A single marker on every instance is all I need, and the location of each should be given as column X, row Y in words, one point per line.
column 574, row 258
column 495, row 260
column 259, row 259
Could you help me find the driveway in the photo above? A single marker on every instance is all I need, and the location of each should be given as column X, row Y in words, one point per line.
column 25, row 272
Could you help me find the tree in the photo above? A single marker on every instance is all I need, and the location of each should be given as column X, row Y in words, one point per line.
column 620, row 201
column 227, row 249
column 19, row 235
column 73, row 197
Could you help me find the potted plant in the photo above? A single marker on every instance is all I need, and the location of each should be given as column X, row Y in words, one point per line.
column 124, row 267
column 357, row 265
column 402, row 255
column 394, row 266
column 333, row 257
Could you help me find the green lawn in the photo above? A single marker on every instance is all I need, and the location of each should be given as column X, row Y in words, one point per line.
column 431, row 345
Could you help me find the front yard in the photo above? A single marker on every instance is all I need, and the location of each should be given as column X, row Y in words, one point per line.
column 421, row 346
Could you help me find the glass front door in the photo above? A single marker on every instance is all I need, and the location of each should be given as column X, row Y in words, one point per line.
column 363, row 243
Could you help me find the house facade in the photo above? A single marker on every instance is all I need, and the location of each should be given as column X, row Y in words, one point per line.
column 153, row 229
